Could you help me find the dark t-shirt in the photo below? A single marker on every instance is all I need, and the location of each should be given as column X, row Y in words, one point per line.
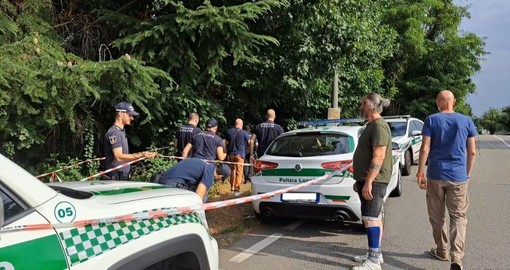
column 265, row 133
column 190, row 171
column 237, row 141
column 205, row 145
column 378, row 133
column 184, row 135
column 115, row 137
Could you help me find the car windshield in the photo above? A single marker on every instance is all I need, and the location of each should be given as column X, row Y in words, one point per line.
column 311, row 144
column 398, row 128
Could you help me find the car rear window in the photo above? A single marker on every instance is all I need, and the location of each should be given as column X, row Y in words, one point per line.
column 311, row 144
column 398, row 128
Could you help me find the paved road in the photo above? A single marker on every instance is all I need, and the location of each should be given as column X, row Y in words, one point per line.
column 309, row 244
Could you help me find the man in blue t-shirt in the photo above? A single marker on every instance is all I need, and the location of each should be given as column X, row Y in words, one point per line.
column 206, row 144
column 116, row 148
column 186, row 132
column 195, row 175
column 264, row 134
column 450, row 147
column 236, row 139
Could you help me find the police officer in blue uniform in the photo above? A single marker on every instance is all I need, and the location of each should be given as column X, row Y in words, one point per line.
column 265, row 133
column 196, row 175
column 116, row 146
column 186, row 132
column 206, row 144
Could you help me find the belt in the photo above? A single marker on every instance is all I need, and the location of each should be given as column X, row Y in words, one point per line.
column 186, row 186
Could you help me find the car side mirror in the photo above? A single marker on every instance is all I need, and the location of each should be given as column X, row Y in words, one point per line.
column 415, row 133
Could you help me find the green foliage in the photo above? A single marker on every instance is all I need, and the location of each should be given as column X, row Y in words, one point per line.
column 72, row 173
column 432, row 55
column 65, row 64
column 492, row 120
column 316, row 37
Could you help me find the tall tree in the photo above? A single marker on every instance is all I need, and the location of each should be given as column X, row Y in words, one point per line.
column 316, row 37
column 432, row 55
column 492, row 119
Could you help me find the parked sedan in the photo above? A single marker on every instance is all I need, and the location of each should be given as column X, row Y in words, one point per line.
column 302, row 155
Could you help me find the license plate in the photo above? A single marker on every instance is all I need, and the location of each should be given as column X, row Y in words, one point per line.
column 300, row 197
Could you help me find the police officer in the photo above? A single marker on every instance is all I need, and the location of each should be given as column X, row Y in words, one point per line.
column 116, row 144
column 265, row 133
column 186, row 132
column 206, row 144
column 194, row 174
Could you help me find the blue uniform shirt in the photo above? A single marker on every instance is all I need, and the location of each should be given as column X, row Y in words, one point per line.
column 115, row 137
column 266, row 132
column 237, row 141
column 448, row 134
column 184, row 135
column 190, row 171
column 205, row 145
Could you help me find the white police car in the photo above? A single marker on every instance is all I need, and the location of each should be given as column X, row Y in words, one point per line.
column 171, row 242
column 302, row 155
column 406, row 132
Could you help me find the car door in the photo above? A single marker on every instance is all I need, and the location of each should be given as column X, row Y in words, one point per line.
column 416, row 139
column 44, row 247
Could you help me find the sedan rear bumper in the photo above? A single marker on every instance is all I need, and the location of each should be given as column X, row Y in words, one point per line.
column 303, row 210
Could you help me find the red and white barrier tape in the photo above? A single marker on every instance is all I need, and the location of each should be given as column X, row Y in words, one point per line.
column 171, row 211
column 112, row 169
column 210, row 161
column 68, row 167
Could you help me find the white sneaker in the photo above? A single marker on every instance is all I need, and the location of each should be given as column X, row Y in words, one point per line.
column 368, row 265
column 362, row 258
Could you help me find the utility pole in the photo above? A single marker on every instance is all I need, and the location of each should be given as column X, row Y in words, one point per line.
column 334, row 111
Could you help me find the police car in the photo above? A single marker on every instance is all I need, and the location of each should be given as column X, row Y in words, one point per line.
column 406, row 132
column 302, row 155
column 28, row 205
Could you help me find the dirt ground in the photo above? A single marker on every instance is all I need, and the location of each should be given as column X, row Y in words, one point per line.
column 229, row 223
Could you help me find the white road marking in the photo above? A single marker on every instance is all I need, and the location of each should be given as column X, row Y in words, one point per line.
column 502, row 141
column 294, row 225
column 239, row 258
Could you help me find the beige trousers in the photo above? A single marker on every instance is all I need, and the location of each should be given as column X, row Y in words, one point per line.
column 453, row 196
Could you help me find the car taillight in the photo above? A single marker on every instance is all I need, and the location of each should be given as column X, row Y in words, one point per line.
column 336, row 165
column 263, row 165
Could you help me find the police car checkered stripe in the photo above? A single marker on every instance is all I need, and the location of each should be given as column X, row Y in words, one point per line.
column 82, row 244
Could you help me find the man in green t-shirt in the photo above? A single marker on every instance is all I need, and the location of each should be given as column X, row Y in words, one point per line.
column 372, row 172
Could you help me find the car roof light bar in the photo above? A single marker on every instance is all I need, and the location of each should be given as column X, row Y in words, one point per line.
column 330, row 122
column 397, row 116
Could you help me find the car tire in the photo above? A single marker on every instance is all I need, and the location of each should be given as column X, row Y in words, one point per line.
column 397, row 191
column 263, row 219
column 406, row 169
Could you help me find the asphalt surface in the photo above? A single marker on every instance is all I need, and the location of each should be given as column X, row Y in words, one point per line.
column 312, row 244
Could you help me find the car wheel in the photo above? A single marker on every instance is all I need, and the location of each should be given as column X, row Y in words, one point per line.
column 397, row 191
column 406, row 169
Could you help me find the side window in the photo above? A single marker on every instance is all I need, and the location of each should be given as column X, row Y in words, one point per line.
column 415, row 125
column 12, row 209
column 419, row 125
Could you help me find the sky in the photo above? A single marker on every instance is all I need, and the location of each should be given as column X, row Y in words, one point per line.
column 490, row 19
